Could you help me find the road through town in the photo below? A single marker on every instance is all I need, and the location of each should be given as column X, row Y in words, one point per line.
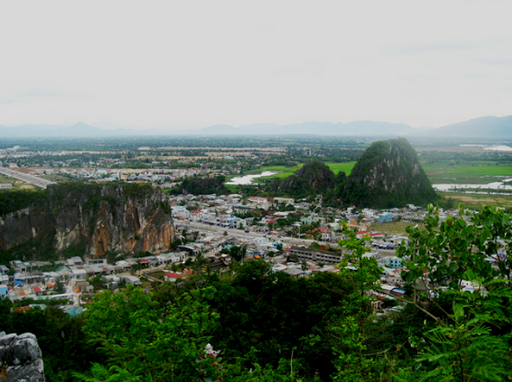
column 34, row 180
column 249, row 236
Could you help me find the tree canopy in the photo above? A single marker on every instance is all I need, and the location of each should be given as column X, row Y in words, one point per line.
column 453, row 324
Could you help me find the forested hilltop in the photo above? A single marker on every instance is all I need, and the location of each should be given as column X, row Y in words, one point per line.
column 388, row 174
column 265, row 326
column 313, row 178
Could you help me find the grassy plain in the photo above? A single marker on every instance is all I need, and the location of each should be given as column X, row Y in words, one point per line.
column 16, row 184
column 464, row 173
column 337, row 167
column 6, row 179
column 392, row 228
column 282, row 171
column 476, row 201
column 480, row 172
column 287, row 171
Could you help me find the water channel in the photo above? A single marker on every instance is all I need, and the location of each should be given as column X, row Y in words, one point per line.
column 247, row 179
column 500, row 187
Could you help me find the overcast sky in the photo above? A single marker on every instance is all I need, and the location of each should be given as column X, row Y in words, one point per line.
column 197, row 63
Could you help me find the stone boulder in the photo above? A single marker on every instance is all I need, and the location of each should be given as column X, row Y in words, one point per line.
column 20, row 358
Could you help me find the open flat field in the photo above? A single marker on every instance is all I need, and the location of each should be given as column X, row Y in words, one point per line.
column 287, row 171
column 6, row 179
column 463, row 173
column 437, row 173
column 476, row 201
column 16, row 183
column 337, row 167
column 391, row 228
column 282, row 171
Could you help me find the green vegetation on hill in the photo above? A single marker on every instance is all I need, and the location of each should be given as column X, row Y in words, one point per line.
column 283, row 171
column 269, row 326
column 312, row 178
column 388, row 174
column 201, row 186
column 15, row 200
column 464, row 173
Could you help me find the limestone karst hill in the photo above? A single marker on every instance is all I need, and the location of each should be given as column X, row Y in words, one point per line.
column 314, row 177
column 388, row 174
column 85, row 218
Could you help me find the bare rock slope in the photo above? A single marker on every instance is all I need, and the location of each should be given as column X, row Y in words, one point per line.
column 92, row 219
column 21, row 358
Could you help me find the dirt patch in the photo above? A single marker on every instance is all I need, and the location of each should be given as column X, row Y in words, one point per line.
column 392, row 228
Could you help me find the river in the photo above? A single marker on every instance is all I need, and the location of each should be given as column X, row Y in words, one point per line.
column 247, row 179
column 485, row 188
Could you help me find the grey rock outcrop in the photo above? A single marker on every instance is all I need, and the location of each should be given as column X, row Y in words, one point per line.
column 91, row 219
column 21, row 358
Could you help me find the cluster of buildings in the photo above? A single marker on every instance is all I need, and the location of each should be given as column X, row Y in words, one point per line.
column 223, row 231
column 236, row 211
column 67, row 279
column 162, row 178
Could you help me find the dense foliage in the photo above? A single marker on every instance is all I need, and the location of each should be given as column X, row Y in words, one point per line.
column 202, row 186
column 15, row 200
column 388, row 174
column 312, row 178
column 271, row 327
column 64, row 344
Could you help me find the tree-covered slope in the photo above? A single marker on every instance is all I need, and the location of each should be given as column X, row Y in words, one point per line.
column 201, row 186
column 454, row 322
column 312, row 178
column 388, row 174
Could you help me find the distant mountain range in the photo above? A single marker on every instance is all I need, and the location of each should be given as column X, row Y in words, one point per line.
column 484, row 127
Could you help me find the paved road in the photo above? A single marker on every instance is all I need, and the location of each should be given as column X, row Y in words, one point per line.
column 249, row 236
column 38, row 182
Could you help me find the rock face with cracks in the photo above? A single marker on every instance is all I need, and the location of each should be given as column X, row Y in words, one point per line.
column 21, row 358
column 91, row 219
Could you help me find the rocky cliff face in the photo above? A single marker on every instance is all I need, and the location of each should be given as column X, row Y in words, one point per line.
column 388, row 174
column 91, row 218
column 20, row 358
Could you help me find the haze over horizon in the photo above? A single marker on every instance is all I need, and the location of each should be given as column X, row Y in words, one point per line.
column 192, row 65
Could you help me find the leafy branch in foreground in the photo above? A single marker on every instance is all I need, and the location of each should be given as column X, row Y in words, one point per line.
column 471, row 337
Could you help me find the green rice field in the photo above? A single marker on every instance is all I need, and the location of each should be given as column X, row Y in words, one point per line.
column 476, row 173
column 437, row 173
column 337, row 167
column 282, row 171
column 476, row 201
column 463, row 173
column 287, row 171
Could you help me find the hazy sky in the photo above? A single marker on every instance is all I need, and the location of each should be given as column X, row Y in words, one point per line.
column 199, row 63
